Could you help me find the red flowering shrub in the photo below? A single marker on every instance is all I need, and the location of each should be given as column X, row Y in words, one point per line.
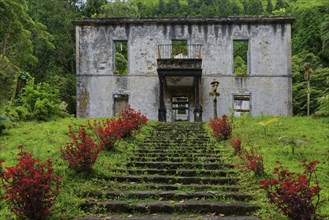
column 221, row 128
column 110, row 130
column 253, row 160
column 292, row 193
column 82, row 152
column 134, row 120
column 30, row 187
column 236, row 145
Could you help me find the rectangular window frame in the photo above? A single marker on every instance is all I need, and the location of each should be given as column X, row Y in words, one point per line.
column 117, row 98
column 248, row 69
column 114, row 69
column 242, row 97
column 184, row 53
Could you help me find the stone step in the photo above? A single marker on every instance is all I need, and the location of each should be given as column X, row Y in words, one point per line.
column 171, row 126
column 173, row 179
column 177, row 159
column 175, row 146
column 169, row 195
column 179, row 137
column 188, row 206
column 181, row 134
column 177, row 141
column 180, row 172
column 177, row 165
column 137, row 216
column 177, row 171
column 179, row 151
column 171, row 154
column 182, row 187
column 169, row 131
column 174, row 129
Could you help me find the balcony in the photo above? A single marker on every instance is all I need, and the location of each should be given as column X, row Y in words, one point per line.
column 182, row 57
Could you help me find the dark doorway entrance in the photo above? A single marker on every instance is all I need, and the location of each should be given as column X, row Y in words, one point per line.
column 177, row 71
column 180, row 108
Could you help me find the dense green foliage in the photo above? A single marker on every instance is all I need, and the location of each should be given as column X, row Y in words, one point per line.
column 38, row 37
column 39, row 101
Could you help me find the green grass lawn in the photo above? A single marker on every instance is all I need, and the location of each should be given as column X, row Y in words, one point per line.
column 287, row 139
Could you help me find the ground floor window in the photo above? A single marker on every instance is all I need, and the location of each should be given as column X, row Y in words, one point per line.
column 120, row 103
column 241, row 104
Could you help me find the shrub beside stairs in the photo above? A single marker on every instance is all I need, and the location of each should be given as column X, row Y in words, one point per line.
column 175, row 174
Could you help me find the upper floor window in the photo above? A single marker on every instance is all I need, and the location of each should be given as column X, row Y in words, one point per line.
column 179, row 49
column 240, row 58
column 121, row 57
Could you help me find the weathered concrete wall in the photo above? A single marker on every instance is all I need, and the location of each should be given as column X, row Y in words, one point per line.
column 269, row 80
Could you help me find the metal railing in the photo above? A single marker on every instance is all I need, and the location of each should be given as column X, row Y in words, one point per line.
column 189, row 51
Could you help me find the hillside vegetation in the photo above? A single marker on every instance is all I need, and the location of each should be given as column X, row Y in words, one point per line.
column 286, row 139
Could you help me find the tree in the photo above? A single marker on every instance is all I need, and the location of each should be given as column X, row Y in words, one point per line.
column 173, row 7
column 18, row 31
column 147, row 8
column 57, row 65
column 306, row 30
column 269, row 7
column 280, row 4
column 255, row 7
column 8, row 77
column 228, row 7
column 93, row 7
column 308, row 66
column 120, row 9
column 325, row 39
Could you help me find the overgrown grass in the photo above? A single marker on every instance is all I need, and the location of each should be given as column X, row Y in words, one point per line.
column 288, row 140
column 44, row 140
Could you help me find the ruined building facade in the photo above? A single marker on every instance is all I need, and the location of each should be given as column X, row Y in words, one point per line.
column 171, row 66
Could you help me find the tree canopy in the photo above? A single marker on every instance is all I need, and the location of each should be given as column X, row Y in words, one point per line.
column 38, row 37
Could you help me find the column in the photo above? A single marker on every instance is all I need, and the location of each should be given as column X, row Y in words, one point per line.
column 198, row 108
column 162, row 109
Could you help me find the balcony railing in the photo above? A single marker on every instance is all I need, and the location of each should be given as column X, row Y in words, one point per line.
column 190, row 51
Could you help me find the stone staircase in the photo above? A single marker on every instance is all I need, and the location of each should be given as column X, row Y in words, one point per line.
column 176, row 173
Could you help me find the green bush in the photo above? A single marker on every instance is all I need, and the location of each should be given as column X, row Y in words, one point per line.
column 37, row 102
column 324, row 106
column 2, row 124
column 5, row 120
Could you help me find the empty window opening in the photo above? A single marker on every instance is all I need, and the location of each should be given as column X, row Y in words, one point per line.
column 180, row 107
column 120, row 103
column 241, row 104
column 121, row 57
column 179, row 49
column 240, row 58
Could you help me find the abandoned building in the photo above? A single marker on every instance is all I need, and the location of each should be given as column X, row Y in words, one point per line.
column 174, row 69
